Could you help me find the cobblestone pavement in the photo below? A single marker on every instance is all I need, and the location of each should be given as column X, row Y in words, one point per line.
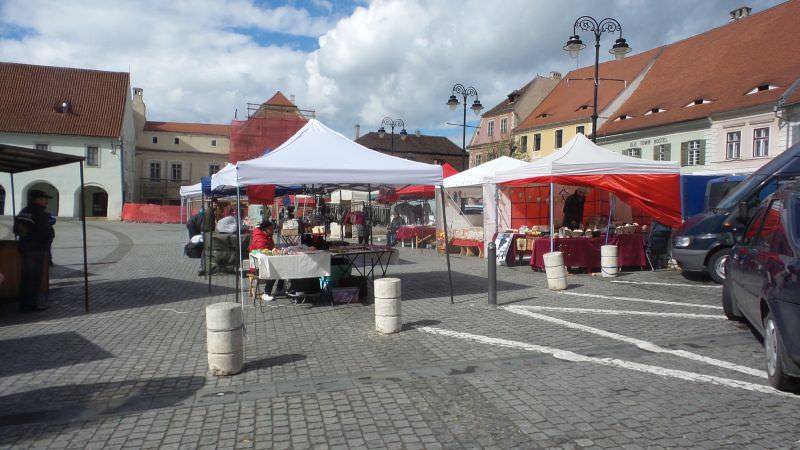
column 537, row 371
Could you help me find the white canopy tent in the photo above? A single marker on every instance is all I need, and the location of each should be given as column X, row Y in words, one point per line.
column 476, row 175
column 192, row 191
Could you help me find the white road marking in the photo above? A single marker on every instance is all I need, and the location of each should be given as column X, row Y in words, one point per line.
column 642, row 344
column 614, row 312
column 173, row 310
column 567, row 355
column 715, row 286
column 640, row 300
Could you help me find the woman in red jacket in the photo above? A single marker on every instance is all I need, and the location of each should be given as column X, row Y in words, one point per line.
column 262, row 240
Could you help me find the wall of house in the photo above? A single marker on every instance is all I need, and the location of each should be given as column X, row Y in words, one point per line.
column 165, row 190
column 65, row 179
column 129, row 151
column 549, row 137
column 745, row 124
column 648, row 140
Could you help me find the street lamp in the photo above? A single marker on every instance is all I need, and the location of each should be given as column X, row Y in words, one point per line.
column 476, row 107
column 575, row 45
column 388, row 122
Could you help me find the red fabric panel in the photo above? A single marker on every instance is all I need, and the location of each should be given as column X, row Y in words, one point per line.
column 139, row 212
column 426, row 191
column 261, row 195
column 585, row 252
column 466, row 243
column 516, row 223
column 518, row 210
column 658, row 196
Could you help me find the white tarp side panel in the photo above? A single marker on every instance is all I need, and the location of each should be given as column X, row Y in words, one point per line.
column 475, row 175
column 225, row 177
column 347, row 195
column 503, row 208
column 489, row 214
column 318, row 155
column 580, row 156
column 195, row 190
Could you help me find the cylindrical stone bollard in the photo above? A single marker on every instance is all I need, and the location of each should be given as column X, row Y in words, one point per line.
column 387, row 305
column 555, row 270
column 608, row 260
column 224, row 338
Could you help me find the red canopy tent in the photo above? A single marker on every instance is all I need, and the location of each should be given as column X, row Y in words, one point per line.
column 426, row 192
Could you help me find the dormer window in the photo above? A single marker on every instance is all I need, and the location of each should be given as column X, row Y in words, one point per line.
column 582, row 108
column 542, row 116
column 622, row 117
column 654, row 111
column 64, row 107
column 761, row 88
column 698, row 101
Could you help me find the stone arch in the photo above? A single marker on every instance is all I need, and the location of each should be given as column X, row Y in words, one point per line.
column 96, row 197
column 49, row 189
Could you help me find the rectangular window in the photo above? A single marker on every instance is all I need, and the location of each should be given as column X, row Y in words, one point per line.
column 580, row 129
column 693, row 156
column 490, row 130
column 503, row 126
column 42, row 147
column 155, row 139
column 633, row 152
column 661, row 152
column 155, row 170
column 761, row 142
column 176, row 171
column 213, row 142
column 559, row 138
column 733, row 145
column 523, row 143
column 478, row 160
column 177, row 141
column 213, row 168
column 92, row 156
column 537, row 142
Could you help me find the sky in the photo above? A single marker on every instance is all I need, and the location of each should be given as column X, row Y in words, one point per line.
column 350, row 61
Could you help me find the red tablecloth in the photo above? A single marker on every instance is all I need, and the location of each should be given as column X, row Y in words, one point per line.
column 412, row 231
column 466, row 243
column 585, row 252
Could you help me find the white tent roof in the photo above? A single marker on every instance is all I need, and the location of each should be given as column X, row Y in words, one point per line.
column 224, row 177
column 195, row 190
column 580, row 156
column 475, row 175
column 318, row 155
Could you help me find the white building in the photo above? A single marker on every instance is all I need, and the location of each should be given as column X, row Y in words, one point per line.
column 74, row 111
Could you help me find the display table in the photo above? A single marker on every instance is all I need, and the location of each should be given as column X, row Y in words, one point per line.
column 468, row 247
column 292, row 267
column 585, row 252
column 365, row 259
column 417, row 234
column 10, row 267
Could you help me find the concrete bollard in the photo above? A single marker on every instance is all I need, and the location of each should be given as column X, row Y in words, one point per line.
column 555, row 270
column 224, row 338
column 608, row 260
column 387, row 305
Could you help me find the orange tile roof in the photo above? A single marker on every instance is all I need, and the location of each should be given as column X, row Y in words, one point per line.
column 279, row 100
column 720, row 65
column 565, row 100
column 191, row 128
column 30, row 96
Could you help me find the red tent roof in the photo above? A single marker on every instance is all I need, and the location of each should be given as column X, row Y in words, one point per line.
column 426, row 191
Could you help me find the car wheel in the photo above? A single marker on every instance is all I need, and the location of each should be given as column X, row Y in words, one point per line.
column 773, row 347
column 716, row 265
column 729, row 306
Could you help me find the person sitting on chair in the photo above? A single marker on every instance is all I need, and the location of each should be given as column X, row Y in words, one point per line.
column 262, row 240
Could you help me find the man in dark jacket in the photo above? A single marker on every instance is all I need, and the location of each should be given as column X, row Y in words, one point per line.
column 573, row 209
column 195, row 224
column 35, row 232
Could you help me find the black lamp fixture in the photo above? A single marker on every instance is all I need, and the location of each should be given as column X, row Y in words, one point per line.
column 574, row 46
column 388, row 122
column 476, row 107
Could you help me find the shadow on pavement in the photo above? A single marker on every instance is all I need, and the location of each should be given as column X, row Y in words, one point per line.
column 273, row 361
column 420, row 285
column 420, row 324
column 47, row 351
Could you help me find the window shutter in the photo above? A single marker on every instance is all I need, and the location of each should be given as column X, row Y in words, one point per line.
column 702, row 152
column 684, row 154
column 668, row 151
column 655, row 152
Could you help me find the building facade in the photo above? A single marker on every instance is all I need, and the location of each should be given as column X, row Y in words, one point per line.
column 75, row 111
column 416, row 147
column 172, row 154
column 493, row 137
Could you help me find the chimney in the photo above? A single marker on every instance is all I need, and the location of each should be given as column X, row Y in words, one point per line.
column 138, row 91
column 555, row 75
column 358, row 131
column 740, row 13
column 291, row 99
column 417, row 133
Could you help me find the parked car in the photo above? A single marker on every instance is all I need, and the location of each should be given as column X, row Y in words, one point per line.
column 763, row 286
column 703, row 242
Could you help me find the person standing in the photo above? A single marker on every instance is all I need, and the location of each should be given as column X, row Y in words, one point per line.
column 573, row 209
column 35, row 233
column 395, row 225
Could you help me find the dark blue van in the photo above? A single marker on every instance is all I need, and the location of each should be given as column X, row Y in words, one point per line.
column 703, row 242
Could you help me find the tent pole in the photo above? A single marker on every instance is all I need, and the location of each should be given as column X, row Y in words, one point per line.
column 13, row 201
column 552, row 220
column 446, row 241
column 610, row 212
column 83, row 231
column 239, row 239
column 369, row 211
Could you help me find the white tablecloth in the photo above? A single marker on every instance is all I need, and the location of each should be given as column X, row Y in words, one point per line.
column 292, row 267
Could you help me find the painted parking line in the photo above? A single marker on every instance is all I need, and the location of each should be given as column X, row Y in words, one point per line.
column 614, row 312
column 640, row 300
column 567, row 355
column 715, row 286
column 642, row 344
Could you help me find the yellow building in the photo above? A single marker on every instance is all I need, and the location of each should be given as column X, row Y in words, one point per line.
column 568, row 109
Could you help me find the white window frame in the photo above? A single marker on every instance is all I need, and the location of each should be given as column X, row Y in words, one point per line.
column 661, row 152
column 556, row 138
column 733, row 147
column 761, row 143
column 150, row 169
column 504, row 126
column 86, row 153
column 490, row 128
column 170, row 176
column 537, row 142
column 580, row 129
column 176, row 140
column 213, row 142
column 478, row 159
column 693, row 153
column 633, row 152
column 42, row 144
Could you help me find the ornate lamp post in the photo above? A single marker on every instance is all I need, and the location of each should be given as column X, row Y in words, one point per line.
column 388, row 122
column 476, row 107
column 575, row 45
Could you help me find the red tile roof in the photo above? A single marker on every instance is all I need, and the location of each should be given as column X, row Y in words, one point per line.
column 30, row 97
column 565, row 100
column 191, row 128
column 721, row 66
column 279, row 100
